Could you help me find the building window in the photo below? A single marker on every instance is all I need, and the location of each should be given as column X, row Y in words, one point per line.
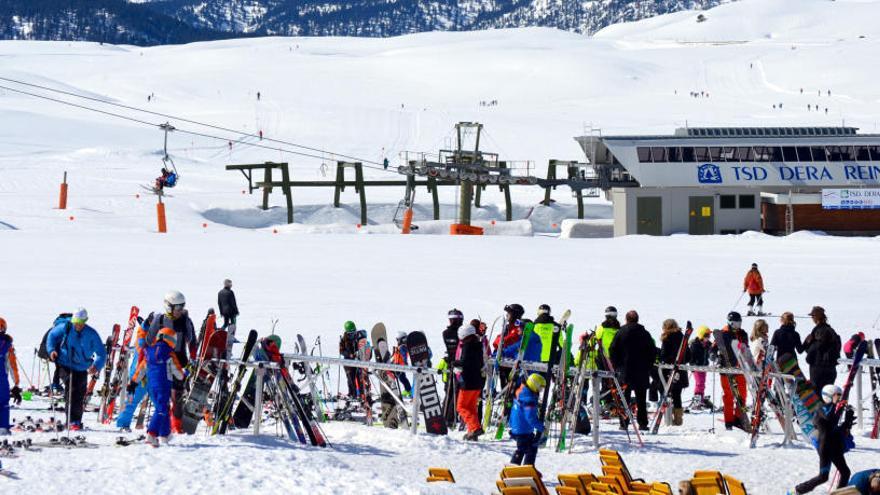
column 715, row 153
column 840, row 153
column 687, row 154
column 727, row 154
column 819, row 154
column 746, row 201
column 862, row 154
column 803, row 153
column 658, row 154
column 728, row 202
column 673, row 154
column 789, row 154
column 702, row 154
column 644, row 154
column 745, row 154
column 763, row 153
column 875, row 153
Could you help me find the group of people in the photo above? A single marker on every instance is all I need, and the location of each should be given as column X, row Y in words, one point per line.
column 165, row 344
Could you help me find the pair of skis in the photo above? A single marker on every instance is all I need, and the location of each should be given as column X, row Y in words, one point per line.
column 117, row 384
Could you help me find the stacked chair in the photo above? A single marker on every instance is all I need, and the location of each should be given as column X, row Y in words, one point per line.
column 713, row 483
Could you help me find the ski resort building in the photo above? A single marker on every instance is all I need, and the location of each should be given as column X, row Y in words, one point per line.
column 726, row 180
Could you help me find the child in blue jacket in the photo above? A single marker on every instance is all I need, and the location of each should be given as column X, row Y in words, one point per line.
column 525, row 427
column 160, row 366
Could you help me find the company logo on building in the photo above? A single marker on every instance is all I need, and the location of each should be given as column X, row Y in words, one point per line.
column 708, row 173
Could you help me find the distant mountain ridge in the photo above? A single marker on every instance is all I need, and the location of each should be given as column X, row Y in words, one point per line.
column 154, row 22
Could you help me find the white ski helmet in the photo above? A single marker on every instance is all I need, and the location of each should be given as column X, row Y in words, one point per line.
column 829, row 391
column 401, row 335
column 174, row 298
column 466, row 331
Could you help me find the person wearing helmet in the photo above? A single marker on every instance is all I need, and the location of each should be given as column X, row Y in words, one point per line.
column 8, row 365
column 754, row 285
column 733, row 334
column 507, row 342
column 400, row 355
column 543, row 330
column 161, row 368
column 823, row 350
column 633, row 354
column 786, row 339
column 699, row 349
column 227, row 306
column 469, row 366
column 606, row 330
column 176, row 317
column 77, row 351
column 525, row 427
column 450, row 341
column 349, row 343
column 834, row 438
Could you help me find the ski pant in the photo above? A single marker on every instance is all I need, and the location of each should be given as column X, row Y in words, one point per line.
column 177, row 406
column 4, row 400
column 675, row 394
column 160, row 393
column 131, row 404
column 467, row 408
column 228, row 320
column 730, row 412
column 75, row 383
column 699, row 383
column 756, row 298
column 351, row 380
column 526, row 449
column 641, row 405
column 404, row 381
column 825, row 462
column 821, row 376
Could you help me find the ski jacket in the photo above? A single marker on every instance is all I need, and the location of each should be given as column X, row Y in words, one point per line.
column 633, row 354
column 160, row 364
column 787, row 341
column 699, row 349
column 669, row 353
column 753, row 283
column 77, row 350
column 524, row 413
column 861, row 481
column 823, row 346
column 532, row 352
column 729, row 335
column 512, row 333
column 184, row 331
column 450, row 340
column 851, row 345
column 587, row 350
column 543, row 330
column 471, row 364
column 348, row 343
column 8, row 361
column 400, row 355
column 605, row 333
column 832, row 432
column 226, row 303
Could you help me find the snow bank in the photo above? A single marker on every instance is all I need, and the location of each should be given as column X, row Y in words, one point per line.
column 586, row 229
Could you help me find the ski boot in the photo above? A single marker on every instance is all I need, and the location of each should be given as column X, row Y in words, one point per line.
column 152, row 440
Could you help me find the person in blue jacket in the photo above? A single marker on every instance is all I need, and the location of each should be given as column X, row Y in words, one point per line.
column 8, row 365
column 867, row 482
column 77, row 351
column 161, row 367
column 525, row 427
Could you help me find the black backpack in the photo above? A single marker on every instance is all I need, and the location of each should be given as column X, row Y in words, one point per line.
column 42, row 352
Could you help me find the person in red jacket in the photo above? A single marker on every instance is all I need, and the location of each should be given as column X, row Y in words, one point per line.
column 754, row 285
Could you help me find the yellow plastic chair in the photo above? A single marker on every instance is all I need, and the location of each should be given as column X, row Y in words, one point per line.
column 568, row 490
column 628, row 486
column 735, row 486
column 525, row 472
column 599, row 488
column 440, row 474
column 661, row 488
column 572, row 481
column 707, row 486
column 518, row 490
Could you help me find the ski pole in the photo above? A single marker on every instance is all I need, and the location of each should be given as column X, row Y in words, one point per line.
column 743, row 293
column 876, row 320
column 712, row 428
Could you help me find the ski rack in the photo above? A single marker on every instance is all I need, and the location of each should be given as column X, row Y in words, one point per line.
column 261, row 367
column 865, row 363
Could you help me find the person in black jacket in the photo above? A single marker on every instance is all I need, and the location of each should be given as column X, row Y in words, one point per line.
column 227, row 305
column 785, row 338
column 450, row 342
column 633, row 355
column 671, row 342
column 823, row 350
column 832, row 439
column 469, row 366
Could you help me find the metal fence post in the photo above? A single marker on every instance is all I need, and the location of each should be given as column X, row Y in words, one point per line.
column 859, row 411
column 258, row 399
column 596, row 410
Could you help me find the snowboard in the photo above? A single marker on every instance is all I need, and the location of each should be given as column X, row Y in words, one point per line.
column 196, row 402
column 431, row 405
column 392, row 410
column 804, row 398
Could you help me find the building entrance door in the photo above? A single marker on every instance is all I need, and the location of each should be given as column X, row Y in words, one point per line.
column 701, row 210
column 649, row 216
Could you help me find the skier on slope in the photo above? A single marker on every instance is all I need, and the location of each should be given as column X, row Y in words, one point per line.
column 823, row 350
column 400, row 356
column 671, row 341
column 469, row 366
column 78, row 351
column 633, row 354
column 732, row 333
column 133, row 400
column 8, row 365
column 162, row 368
column 786, row 339
column 512, row 332
column 176, row 317
column 754, row 285
column 834, row 439
column 227, row 306
column 450, row 341
column 699, row 349
column 525, row 427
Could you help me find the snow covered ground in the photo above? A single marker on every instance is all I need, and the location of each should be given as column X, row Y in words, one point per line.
column 357, row 97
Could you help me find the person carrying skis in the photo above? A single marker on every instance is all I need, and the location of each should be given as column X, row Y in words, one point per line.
column 227, row 306
column 470, row 370
column 525, row 428
column 512, row 332
column 699, row 350
column 732, row 335
column 785, row 339
column 834, row 438
column 176, row 317
column 867, row 482
column 450, row 341
column 754, row 285
column 348, row 349
column 823, row 350
column 400, row 355
column 162, row 368
column 8, row 365
column 633, row 353
column 78, row 351
column 670, row 343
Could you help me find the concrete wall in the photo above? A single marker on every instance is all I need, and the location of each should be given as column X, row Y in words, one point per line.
column 675, row 209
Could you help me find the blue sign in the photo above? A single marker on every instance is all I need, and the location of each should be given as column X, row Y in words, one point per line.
column 708, row 173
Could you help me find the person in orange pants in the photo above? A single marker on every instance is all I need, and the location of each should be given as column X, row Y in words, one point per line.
column 730, row 414
column 732, row 335
column 469, row 366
